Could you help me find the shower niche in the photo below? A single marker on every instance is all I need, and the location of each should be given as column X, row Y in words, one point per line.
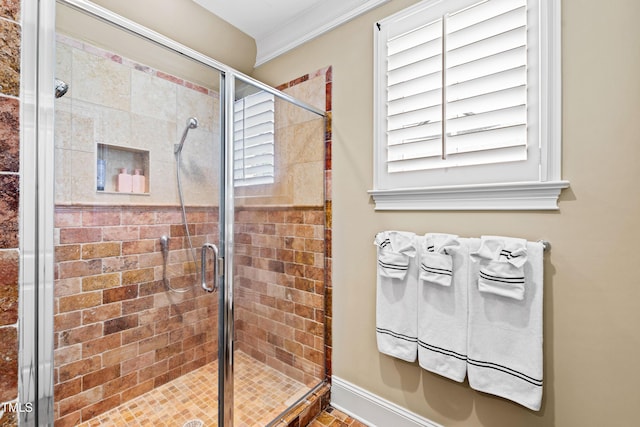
column 122, row 170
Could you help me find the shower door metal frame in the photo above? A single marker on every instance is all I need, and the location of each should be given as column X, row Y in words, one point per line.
column 36, row 362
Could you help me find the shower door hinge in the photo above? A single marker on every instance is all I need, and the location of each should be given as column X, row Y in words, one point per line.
column 221, row 266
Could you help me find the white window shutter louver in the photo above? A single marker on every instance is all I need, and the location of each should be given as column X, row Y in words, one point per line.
column 254, row 139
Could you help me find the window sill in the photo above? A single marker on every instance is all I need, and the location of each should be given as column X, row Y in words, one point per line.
column 511, row 196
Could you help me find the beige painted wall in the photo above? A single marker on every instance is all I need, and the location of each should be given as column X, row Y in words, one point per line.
column 592, row 287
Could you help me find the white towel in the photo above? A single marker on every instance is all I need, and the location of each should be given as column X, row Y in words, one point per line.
column 505, row 336
column 435, row 262
column 442, row 306
column 501, row 266
column 397, row 291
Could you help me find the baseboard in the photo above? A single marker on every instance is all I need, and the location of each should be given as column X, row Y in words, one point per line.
column 371, row 409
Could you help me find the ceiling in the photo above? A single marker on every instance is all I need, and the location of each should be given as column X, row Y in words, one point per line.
column 280, row 25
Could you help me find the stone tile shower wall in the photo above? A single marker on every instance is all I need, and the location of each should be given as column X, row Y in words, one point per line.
column 118, row 332
column 10, row 39
column 280, row 289
column 120, row 103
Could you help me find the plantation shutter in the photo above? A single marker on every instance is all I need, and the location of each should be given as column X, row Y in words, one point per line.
column 414, row 98
column 254, row 119
column 484, row 119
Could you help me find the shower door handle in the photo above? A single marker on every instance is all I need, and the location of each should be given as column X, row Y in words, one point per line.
column 203, row 267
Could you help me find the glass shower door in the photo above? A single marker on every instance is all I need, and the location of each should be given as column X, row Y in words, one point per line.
column 278, row 251
column 137, row 195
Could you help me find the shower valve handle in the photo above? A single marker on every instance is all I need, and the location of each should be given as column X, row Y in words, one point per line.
column 203, row 267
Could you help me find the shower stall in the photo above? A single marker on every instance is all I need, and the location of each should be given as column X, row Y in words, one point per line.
column 183, row 264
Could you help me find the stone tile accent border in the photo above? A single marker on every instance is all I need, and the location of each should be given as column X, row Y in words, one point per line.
column 9, row 134
column 10, row 42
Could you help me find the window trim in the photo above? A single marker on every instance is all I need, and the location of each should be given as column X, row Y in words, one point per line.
column 530, row 195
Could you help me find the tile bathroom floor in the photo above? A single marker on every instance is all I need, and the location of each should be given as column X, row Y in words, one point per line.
column 332, row 417
column 261, row 394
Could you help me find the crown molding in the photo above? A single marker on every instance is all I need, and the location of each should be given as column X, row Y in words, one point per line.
column 323, row 17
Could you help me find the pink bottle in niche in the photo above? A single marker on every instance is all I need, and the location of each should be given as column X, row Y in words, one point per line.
column 138, row 182
column 124, row 181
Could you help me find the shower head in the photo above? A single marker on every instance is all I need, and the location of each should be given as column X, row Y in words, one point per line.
column 61, row 88
column 192, row 123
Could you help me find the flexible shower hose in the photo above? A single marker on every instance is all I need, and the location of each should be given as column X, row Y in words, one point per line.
column 186, row 228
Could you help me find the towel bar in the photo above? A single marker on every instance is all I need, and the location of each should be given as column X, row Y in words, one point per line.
column 546, row 246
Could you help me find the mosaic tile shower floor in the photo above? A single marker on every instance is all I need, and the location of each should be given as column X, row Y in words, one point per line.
column 261, row 394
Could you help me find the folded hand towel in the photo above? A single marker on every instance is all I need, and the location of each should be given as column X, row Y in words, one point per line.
column 501, row 260
column 436, row 268
column 505, row 336
column 442, row 306
column 435, row 261
column 395, row 248
column 396, row 294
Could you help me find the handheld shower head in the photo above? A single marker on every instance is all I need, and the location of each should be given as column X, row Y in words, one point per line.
column 192, row 123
